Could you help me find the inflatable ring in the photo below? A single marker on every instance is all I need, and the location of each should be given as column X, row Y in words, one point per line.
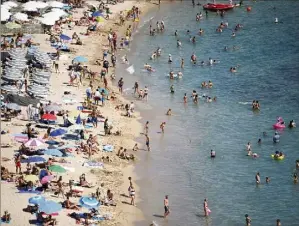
column 278, row 158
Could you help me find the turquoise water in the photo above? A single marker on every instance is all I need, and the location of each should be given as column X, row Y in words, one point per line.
column 179, row 164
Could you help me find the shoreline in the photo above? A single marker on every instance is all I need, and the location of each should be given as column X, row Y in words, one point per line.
column 131, row 214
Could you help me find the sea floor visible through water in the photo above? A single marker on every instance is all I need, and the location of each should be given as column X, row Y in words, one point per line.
column 267, row 56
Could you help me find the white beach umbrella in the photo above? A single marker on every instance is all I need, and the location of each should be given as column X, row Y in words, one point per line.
column 59, row 11
column 10, row 4
column 6, row 7
column 47, row 21
column 21, row 16
column 41, row 5
column 35, row 4
column 30, row 9
column 56, row 4
column 4, row 14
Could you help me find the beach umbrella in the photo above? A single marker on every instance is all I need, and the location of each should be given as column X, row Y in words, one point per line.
column 49, row 207
column 46, row 179
column 48, row 21
column 31, row 177
column 34, row 143
column 4, row 14
column 78, row 120
column 12, row 25
column 89, row 202
column 21, row 16
column 65, row 37
column 36, row 200
column 58, row 132
column 43, row 173
column 76, row 127
column 10, row 4
column 57, row 169
column 56, row 4
column 53, row 152
column 13, row 106
column 33, row 159
column 52, row 107
column 41, row 5
column 52, row 142
column 96, row 14
column 30, row 9
column 80, row 59
column 100, row 19
column 49, row 117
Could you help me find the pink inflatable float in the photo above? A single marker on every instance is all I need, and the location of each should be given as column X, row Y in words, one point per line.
column 279, row 124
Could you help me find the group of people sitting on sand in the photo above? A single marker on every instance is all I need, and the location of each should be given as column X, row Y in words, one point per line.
column 123, row 154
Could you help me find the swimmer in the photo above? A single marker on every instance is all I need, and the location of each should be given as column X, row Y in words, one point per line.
column 188, row 32
column 178, row 43
column 259, row 141
column 146, row 66
column 197, row 17
column 193, row 40
column 257, row 178
column 264, row 134
column 182, row 63
column 176, row 33
column 202, row 63
column 172, row 89
column 169, row 59
column 209, row 99
column 295, row 178
column 276, row 20
column 292, row 124
column 255, row 155
column 180, row 74
column 233, row 70
column 210, row 84
column 186, row 99
column 154, row 55
column 159, row 51
column 225, row 48
column 171, row 75
column 267, row 180
column 193, row 58
column 200, row 31
column 247, row 220
column 248, row 147
column 213, row 154
column 169, row 113
column 211, row 61
column 297, row 164
column 233, row 34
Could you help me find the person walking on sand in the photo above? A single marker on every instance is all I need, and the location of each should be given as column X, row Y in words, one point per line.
column 162, row 126
column 166, row 206
column 132, row 195
column 147, row 142
column 146, row 127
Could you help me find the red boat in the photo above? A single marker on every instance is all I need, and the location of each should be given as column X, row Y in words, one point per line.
column 216, row 7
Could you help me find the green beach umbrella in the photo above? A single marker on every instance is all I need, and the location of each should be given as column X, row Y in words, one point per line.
column 57, row 169
column 12, row 25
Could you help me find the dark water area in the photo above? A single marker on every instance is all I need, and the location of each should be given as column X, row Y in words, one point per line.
column 179, row 164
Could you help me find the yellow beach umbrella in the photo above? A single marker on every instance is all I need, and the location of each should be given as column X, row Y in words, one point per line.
column 31, row 177
column 100, row 19
column 12, row 25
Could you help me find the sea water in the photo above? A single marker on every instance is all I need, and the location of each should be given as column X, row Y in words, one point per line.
column 179, row 164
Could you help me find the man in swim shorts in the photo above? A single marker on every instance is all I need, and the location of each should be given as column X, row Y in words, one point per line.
column 166, row 206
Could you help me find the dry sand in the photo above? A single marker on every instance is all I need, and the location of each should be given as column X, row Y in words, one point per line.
column 115, row 174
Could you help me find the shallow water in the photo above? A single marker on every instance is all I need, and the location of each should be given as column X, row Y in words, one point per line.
column 179, row 164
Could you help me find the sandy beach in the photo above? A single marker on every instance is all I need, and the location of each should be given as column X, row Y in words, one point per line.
column 114, row 175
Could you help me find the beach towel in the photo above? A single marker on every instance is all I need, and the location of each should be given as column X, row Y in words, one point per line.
column 94, row 165
column 108, row 148
column 29, row 192
column 4, row 222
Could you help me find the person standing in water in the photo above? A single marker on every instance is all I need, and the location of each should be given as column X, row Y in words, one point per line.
column 166, row 206
column 278, row 223
column 257, row 178
column 146, row 127
column 247, row 220
column 171, row 89
column 206, row 208
column 182, row 63
column 185, row 98
column 147, row 142
column 162, row 127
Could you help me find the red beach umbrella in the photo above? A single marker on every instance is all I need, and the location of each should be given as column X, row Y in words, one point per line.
column 49, row 117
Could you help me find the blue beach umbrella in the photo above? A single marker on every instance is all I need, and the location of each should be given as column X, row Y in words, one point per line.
column 105, row 91
column 43, row 173
column 96, row 14
column 78, row 120
column 49, row 207
column 89, row 202
column 65, row 37
column 52, row 142
column 33, row 159
column 58, row 132
column 37, row 200
column 53, row 152
column 13, row 106
column 80, row 59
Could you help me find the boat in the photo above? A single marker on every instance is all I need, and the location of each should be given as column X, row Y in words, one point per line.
column 218, row 6
column 278, row 158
